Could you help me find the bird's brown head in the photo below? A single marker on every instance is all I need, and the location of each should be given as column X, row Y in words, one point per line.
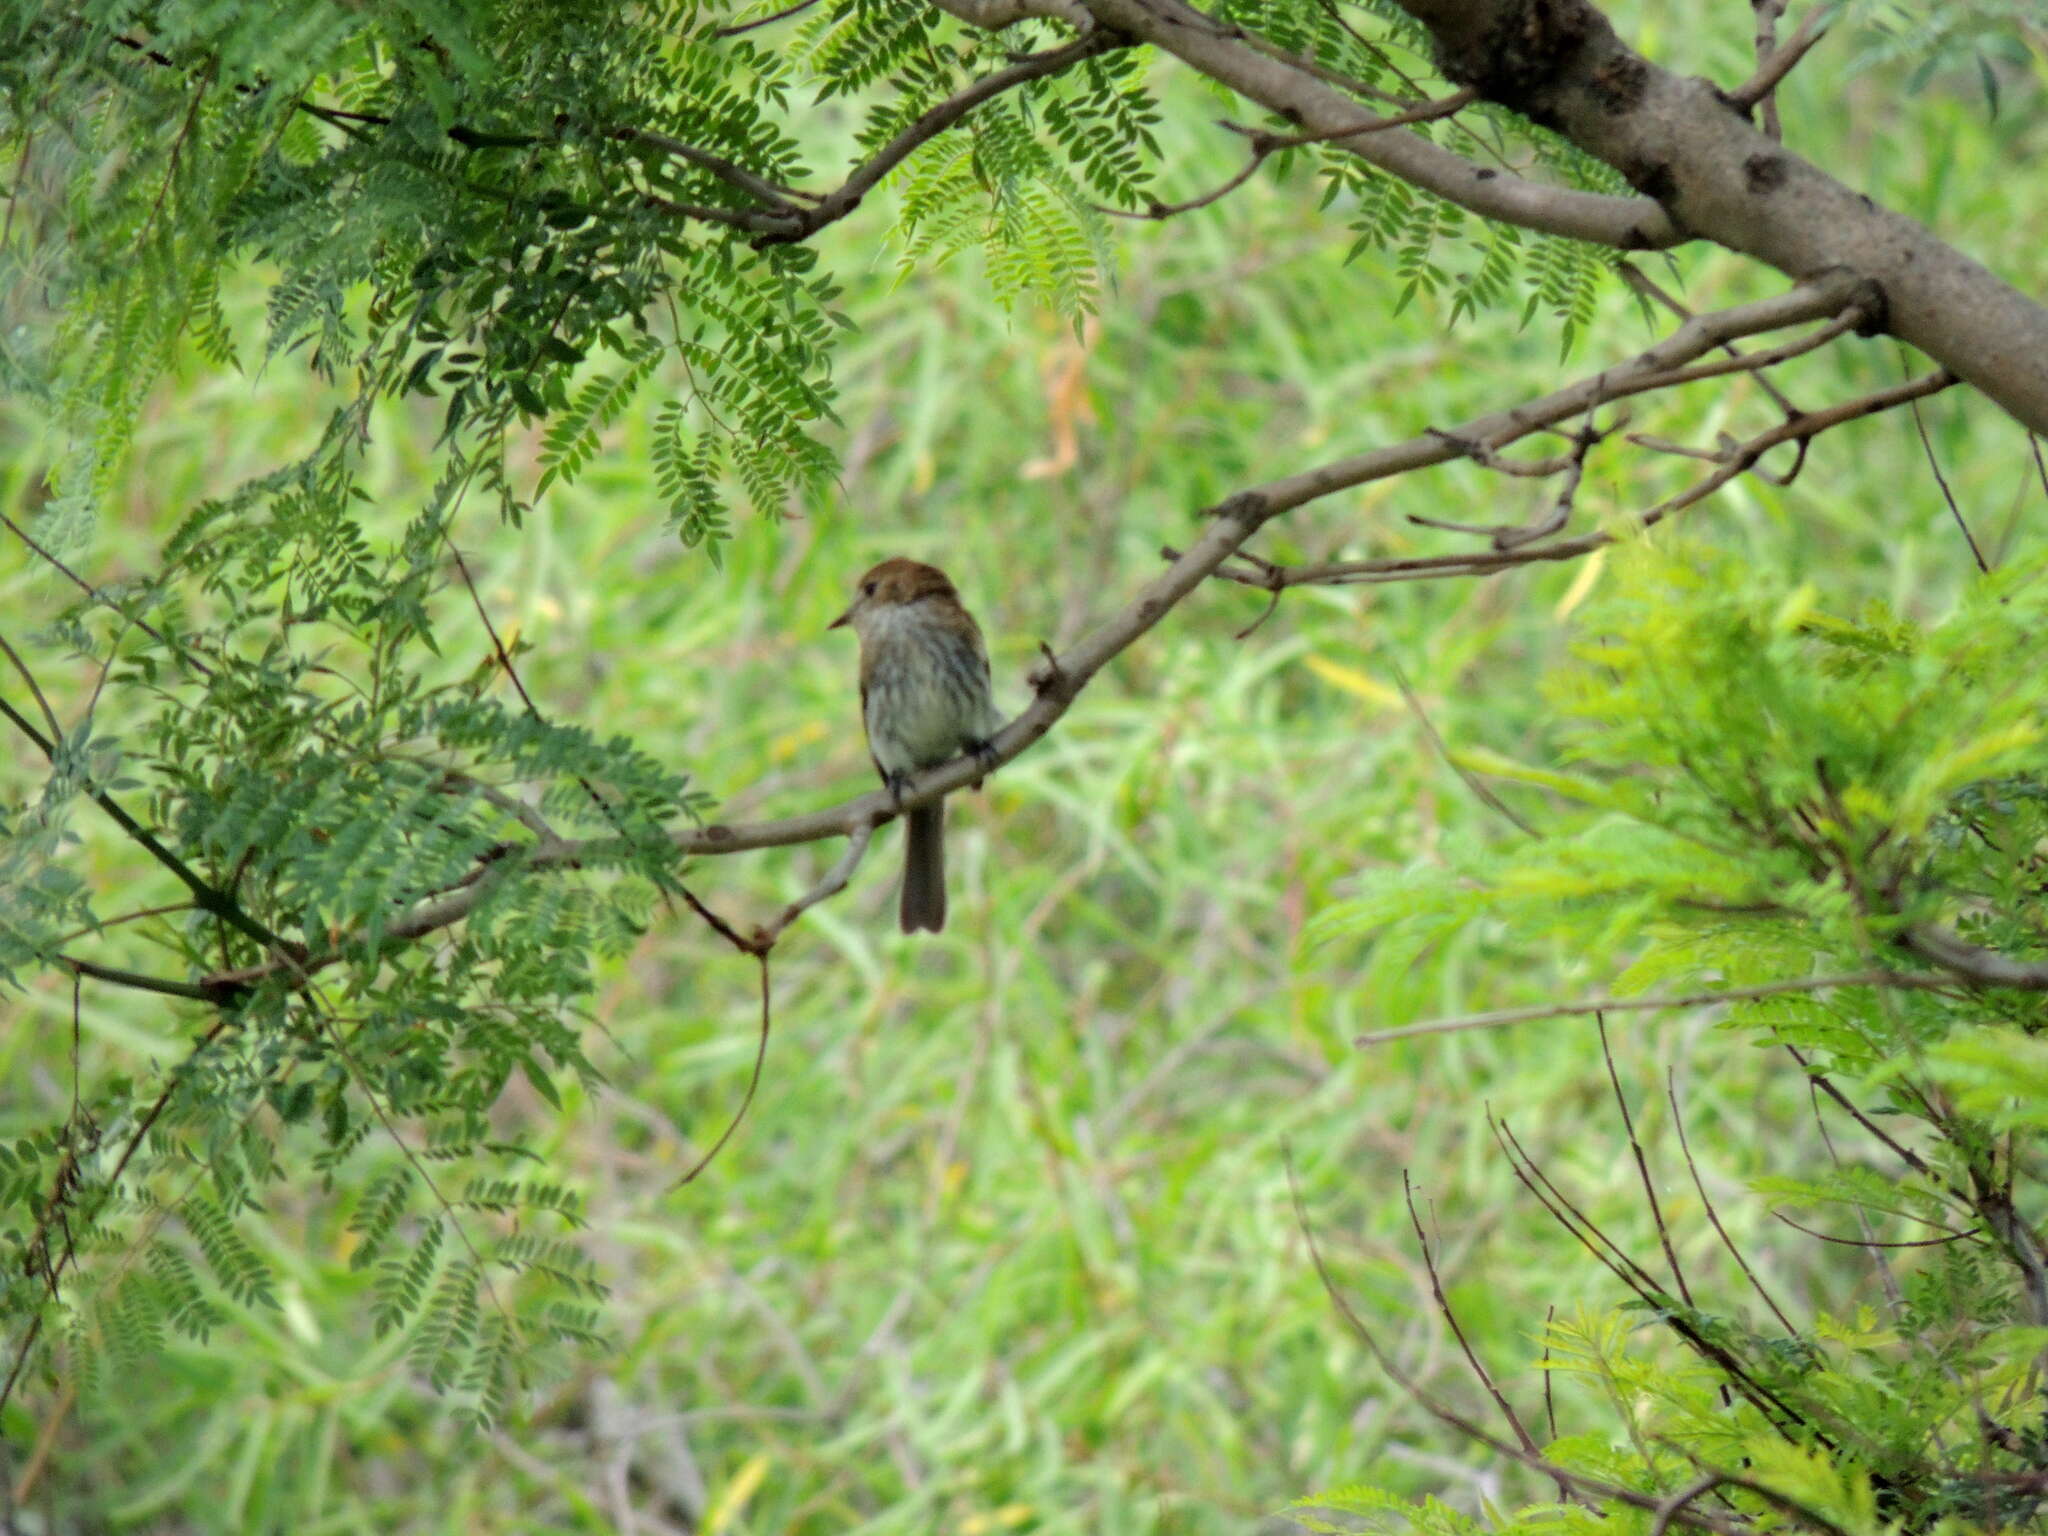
column 893, row 584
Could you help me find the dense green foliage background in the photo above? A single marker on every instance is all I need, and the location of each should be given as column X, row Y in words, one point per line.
column 1007, row 1241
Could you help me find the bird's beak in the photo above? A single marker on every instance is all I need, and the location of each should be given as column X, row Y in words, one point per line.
column 842, row 621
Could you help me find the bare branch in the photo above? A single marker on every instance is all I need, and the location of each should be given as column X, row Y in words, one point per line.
column 1674, row 1506
column 1947, row 495
column 1481, row 791
column 218, row 993
column 1635, row 1146
column 1649, row 288
column 1280, row 84
column 833, row 882
column 1486, row 458
column 1515, row 535
column 1767, row 14
column 1502, row 1017
column 1436, row 1289
column 1714, row 1216
column 753, row 1082
column 1650, row 369
column 453, row 781
column 1736, row 463
column 1870, row 1242
column 1776, row 63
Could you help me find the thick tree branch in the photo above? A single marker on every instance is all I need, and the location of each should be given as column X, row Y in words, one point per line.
column 1716, row 177
column 1223, row 53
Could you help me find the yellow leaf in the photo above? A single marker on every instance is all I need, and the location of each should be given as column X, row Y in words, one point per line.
column 1353, row 681
column 1008, row 1518
column 789, row 743
column 1582, row 584
column 733, row 1497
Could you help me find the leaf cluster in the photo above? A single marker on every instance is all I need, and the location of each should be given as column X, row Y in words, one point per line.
column 1760, row 791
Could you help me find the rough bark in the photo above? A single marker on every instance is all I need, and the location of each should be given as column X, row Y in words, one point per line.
column 1717, row 177
column 1221, row 52
column 1704, row 171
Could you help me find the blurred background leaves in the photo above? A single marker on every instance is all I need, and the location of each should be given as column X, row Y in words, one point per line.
column 1007, row 1242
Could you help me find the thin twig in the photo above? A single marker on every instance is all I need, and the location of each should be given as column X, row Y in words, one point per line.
column 1617, row 1261
column 1898, row 1149
column 35, row 688
column 737, row 28
column 101, row 597
column 1572, row 465
column 1781, row 61
column 214, row 900
column 769, row 192
column 1947, row 495
column 1714, row 1216
column 1669, row 1509
column 1767, row 14
column 833, row 882
column 1986, row 967
column 1266, row 144
column 1648, row 288
column 753, row 1083
column 1443, row 1306
column 1587, row 1488
column 215, row 992
column 1871, row 1242
column 1484, row 563
column 835, row 205
column 1502, row 1017
column 1635, row 1146
column 1472, row 781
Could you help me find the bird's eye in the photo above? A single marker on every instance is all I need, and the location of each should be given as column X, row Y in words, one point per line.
column 869, row 589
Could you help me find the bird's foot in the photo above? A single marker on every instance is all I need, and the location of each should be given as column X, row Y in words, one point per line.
column 985, row 757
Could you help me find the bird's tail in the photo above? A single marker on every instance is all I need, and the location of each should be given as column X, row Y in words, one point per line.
column 924, row 868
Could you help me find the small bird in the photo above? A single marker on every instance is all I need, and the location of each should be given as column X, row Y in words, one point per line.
column 925, row 697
